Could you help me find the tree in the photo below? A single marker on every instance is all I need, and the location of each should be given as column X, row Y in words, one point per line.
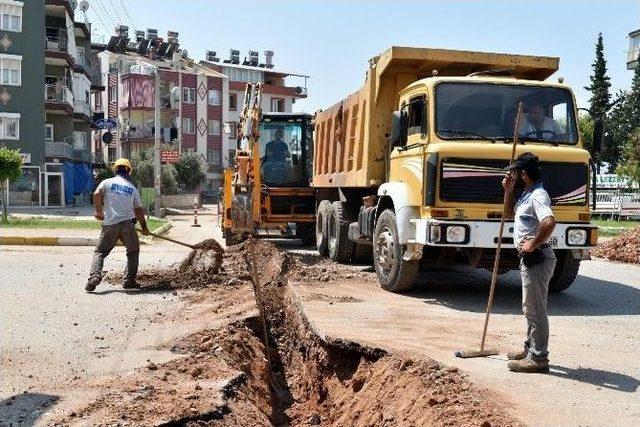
column 10, row 169
column 191, row 170
column 630, row 168
column 600, row 83
column 142, row 175
column 630, row 165
column 617, row 128
column 585, row 124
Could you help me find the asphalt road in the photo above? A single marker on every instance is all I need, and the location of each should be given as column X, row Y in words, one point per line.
column 594, row 343
column 55, row 336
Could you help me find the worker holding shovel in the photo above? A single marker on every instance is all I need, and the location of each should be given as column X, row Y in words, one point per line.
column 118, row 205
column 533, row 224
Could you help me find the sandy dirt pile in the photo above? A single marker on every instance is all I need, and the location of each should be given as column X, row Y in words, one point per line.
column 625, row 247
column 221, row 377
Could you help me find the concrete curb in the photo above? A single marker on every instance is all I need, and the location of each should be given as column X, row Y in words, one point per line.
column 66, row 240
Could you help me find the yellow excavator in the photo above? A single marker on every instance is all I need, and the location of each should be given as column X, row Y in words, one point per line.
column 267, row 188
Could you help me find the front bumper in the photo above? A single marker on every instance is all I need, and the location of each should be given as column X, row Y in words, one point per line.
column 484, row 234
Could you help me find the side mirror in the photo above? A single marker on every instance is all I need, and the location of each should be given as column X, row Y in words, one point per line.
column 398, row 128
column 598, row 134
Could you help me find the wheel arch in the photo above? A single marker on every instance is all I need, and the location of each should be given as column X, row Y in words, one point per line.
column 395, row 196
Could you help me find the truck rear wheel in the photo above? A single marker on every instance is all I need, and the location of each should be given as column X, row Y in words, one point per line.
column 565, row 272
column 322, row 241
column 340, row 247
column 394, row 273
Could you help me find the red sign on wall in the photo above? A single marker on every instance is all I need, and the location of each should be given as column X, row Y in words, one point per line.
column 168, row 156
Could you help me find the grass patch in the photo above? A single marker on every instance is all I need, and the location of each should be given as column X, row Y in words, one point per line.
column 613, row 228
column 71, row 224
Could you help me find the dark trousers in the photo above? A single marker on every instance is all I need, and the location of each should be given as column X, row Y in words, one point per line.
column 109, row 236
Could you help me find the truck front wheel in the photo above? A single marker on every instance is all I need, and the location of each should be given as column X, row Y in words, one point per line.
column 322, row 241
column 565, row 272
column 394, row 273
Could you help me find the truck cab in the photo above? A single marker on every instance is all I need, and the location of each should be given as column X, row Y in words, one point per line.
column 452, row 141
column 408, row 169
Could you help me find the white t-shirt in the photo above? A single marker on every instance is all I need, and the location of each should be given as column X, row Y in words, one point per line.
column 530, row 209
column 120, row 199
column 547, row 124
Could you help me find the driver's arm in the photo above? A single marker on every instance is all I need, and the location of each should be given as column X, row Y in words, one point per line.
column 287, row 154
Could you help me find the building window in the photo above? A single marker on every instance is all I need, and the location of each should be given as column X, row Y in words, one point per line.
column 233, row 101
column 48, row 132
column 188, row 125
column 113, row 93
column 214, row 97
column 277, row 105
column 10, row 15
column 9, row 126
column 214, row 157
column 189, row 95
column 233, row 129
column 214, row 127
column 10, row 70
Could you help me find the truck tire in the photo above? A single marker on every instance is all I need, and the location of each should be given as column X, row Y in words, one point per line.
column 394, row 273
column 306, row 232
column 322, row 241
column 362, row 253
column 340, row 247
column 565, row 272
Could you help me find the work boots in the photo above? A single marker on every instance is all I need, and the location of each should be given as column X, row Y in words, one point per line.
column 131, row 285
column 518, row 355
column 529, row 365
column 91, row 284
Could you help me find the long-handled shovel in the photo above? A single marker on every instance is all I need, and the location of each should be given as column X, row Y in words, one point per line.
column 465, row 354
column 169, row 239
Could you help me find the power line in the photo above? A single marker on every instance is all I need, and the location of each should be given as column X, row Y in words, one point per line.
column 124, row 7
column 106, row 14
column 115, row 10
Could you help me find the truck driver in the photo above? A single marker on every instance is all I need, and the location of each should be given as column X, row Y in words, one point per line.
column 538, row 125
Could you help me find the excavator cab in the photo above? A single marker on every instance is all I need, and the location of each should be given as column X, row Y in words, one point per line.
column 267, row 190
column 286, row 149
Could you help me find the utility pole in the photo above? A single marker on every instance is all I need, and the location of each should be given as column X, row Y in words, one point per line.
column 156, row 135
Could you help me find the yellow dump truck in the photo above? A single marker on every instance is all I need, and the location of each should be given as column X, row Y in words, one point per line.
column 408, row 169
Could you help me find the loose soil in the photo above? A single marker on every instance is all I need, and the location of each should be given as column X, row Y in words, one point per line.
column 221, row 376
column 625, row 247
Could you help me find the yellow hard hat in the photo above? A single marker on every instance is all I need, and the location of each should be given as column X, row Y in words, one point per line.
column 123, row 162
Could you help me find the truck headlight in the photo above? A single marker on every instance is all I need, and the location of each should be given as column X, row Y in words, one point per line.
column 435, row 234
column 456, row 234
column 576, row 237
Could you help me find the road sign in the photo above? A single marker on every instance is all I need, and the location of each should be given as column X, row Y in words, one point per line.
column 169, row 156
column 107, row 137
column 106, row 124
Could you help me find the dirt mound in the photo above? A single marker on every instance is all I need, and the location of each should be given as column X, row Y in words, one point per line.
column 222, row 377
column 201, row 268
column 625, row 247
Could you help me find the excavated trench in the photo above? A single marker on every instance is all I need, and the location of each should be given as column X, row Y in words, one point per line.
column 311, row 380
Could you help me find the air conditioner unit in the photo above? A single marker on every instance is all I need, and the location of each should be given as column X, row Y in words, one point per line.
column 211, row 56
column 152, row 33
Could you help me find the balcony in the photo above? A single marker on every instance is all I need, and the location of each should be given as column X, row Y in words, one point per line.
column 82, row 61
column 58, row 98
column 58, row 149
column 632, row 58
column 82, row 108
column 56, row 40
column 83, row 156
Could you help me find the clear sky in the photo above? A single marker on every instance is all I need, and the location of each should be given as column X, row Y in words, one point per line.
column 332, row 40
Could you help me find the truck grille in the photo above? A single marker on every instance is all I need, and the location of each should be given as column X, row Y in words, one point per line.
column 479, row 181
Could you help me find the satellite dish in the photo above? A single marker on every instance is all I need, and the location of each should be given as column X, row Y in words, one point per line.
column 84, row 6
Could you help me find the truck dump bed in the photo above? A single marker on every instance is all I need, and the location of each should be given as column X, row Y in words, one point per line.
column 351, row 136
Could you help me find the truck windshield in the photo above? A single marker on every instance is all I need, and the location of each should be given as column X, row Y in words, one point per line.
column 283, row 153
column 487, row 111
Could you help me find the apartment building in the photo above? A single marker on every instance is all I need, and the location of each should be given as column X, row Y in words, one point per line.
column 278, row 94
column 633, row 55
column 51, row 125
column 192, row 110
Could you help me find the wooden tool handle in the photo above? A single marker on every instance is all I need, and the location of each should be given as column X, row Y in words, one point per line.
column 496, row 262
column 168, row 239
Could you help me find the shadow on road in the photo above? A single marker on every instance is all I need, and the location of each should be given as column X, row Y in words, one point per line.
column 597, row 377
column 25, row 408
column 468, row 289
